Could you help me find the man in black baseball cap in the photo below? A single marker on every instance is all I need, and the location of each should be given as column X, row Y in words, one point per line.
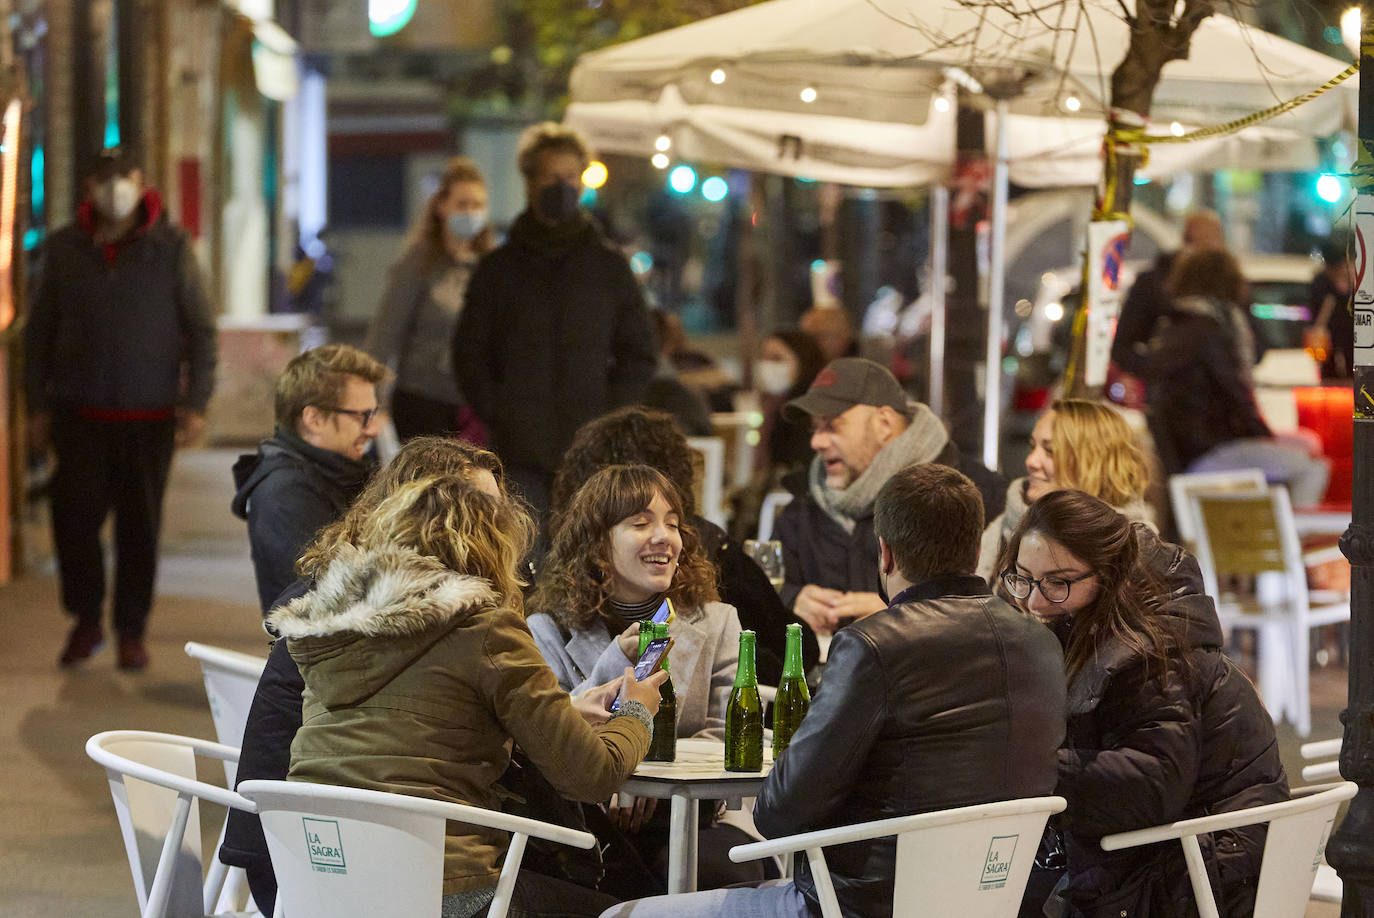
column 864, row 430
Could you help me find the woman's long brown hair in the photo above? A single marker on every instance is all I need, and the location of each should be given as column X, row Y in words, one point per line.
column 575, row 583
column 1128, row 598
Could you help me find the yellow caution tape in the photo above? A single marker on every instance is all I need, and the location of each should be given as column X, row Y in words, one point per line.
column 1138, row 135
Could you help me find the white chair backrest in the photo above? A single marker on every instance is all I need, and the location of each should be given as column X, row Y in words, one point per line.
column 773, row 503
column 159, row 817
column 1328, row 770
column 352, row 853
column 1297, row 836
column 231, row 680
column 1253, row 533
column 1183, row 485
column 969, row 861
column 711, row 496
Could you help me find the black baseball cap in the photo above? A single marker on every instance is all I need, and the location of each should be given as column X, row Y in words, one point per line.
column 844, row 383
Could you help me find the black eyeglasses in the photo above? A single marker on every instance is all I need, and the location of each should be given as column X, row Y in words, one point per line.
column 364, row 417
column 1054, row 589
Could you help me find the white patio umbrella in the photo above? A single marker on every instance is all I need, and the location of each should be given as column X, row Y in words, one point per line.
column 858, row 92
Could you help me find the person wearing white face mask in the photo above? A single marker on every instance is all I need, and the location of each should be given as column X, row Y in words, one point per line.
column 413, row 329
column 788, row 360
column 119, row 365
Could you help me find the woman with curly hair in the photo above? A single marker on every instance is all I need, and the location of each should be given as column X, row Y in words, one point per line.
column 639, row 436
column 1079, row 444
column 620, row 547
column 1161, row 725
column 420, row 676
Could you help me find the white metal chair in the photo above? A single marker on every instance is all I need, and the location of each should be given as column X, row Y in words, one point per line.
column 711, row 487
column 974, row 860
column 346, row 852
column 1328, row 770
column 1253, row 535
column 740, row 430
column 231, row 681
column 773, row 503
column 159, row 817
column 1183, row 486
column 1327, row 886
column 1293, row 847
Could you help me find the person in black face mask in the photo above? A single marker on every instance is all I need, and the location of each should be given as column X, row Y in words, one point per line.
column 554, row 330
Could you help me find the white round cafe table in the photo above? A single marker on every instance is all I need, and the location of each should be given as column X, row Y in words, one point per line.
column 697, row 774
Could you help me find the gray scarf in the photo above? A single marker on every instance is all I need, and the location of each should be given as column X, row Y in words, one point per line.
column 923, row 440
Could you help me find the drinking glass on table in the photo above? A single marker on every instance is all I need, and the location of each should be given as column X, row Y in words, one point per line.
column 768, row 555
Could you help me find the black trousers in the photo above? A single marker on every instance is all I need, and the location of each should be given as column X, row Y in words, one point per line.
column 105, row 467
column 538, row 896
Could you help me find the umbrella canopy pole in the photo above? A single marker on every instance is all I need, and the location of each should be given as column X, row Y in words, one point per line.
column 997, row 275
column 938, row 276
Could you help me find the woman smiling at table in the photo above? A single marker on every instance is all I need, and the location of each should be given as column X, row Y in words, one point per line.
column 619, row 550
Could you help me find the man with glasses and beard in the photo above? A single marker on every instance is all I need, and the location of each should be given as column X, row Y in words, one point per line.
column 307, row 473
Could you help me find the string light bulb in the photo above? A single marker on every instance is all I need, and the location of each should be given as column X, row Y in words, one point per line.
column 717, row 76
column 1072, row 104
column 808, row 94
column 941, row 104
column 663, row 143
column 660, row 160
column 1176, row 129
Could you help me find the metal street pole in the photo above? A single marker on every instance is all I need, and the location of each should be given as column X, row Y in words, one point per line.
column 1351, row 850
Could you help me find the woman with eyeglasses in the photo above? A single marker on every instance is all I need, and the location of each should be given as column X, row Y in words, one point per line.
column 1079, row 444
column 1161, row 725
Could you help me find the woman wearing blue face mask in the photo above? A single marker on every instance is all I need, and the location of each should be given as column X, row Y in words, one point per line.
column 413, row 329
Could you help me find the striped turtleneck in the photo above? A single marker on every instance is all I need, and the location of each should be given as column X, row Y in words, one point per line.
column 638, row 611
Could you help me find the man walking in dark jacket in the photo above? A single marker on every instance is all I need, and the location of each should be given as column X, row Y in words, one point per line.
column 306, row 475
column 554, row 331
column 865, row 429
column 947, row 697
column 119, row 365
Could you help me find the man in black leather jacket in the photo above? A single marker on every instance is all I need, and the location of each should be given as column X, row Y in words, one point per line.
column 949, row 697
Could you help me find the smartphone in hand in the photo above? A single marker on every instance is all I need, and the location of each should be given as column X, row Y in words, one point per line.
column 650, row 662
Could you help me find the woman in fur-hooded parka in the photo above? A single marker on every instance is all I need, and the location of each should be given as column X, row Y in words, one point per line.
column 419, row 670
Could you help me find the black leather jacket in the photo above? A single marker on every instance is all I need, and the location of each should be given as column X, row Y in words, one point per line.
column 947, row 698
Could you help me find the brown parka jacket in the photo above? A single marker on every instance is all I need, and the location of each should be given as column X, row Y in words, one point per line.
column 417, row 681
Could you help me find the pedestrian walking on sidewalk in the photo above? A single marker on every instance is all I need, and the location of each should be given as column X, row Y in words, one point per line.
column 119, row 365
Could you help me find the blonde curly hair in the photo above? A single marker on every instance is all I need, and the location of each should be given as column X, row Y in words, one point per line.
column 1095, row 451
column 450, row 519
column 426, row 459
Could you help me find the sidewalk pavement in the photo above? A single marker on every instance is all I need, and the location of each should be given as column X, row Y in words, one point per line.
column 60, row 845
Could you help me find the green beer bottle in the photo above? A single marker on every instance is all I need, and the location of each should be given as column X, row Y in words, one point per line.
column 794, row 698
column 646, row 634
column 663, row 748
column 744, row 714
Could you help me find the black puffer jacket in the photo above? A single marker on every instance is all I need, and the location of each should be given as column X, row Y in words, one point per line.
column 288, row 491
column 554, row 332
column 816, row 549
column 949, row 697
column 1143, row 750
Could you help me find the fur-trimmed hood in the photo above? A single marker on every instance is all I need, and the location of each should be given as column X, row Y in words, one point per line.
column 371, row 615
